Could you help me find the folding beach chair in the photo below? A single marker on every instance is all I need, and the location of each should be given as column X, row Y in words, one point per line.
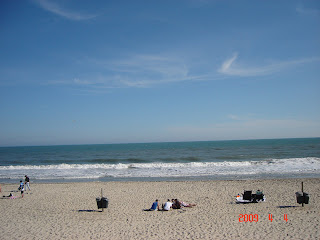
column 247, row 195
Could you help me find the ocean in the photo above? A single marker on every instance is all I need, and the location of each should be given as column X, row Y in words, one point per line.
column 208, row 160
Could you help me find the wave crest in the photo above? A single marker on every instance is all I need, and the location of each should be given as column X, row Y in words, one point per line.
column 163, row 169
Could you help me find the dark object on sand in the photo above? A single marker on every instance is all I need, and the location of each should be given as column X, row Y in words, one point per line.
column 302, row 197
column 102, row 202
column 248, row 197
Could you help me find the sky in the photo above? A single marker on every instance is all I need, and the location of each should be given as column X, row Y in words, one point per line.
column 122, row 71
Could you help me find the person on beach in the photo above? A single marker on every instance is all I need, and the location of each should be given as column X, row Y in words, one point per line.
column 21, row 188
column 259, row 192
column 184, row 204
column 27, row 182
column 21, row 185
column 155, row 206
column 10, row 195
column 176, row 204
column 167, row 205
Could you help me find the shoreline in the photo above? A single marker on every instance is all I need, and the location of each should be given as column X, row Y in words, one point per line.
column 172, row 179
column 69, row 210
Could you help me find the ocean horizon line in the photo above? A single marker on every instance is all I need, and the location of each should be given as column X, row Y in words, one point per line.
column 158, row 142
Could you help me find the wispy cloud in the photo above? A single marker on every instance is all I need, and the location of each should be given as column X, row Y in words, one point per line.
column 144, row 71
column 227, row 64
column 234, row 117
column 307, row 11
column 139, row 71
column 232, row 68
column 55, row 8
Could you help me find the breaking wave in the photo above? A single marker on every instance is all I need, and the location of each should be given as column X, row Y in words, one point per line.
column 163, row 169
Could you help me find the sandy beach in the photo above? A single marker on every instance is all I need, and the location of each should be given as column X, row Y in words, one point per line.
column 69, row 211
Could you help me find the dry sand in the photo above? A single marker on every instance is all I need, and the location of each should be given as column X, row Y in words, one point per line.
column 69, row 211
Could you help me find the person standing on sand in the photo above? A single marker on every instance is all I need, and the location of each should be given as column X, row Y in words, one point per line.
column 27, row 182
column 21, row 188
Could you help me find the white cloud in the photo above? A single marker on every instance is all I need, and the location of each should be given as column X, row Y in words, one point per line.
column 227, row 64
column 58, row 10
column 232, row 68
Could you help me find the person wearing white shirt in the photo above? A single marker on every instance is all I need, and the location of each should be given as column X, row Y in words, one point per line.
column 167, row 205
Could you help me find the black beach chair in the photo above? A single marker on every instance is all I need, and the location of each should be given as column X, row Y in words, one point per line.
column 247, row 195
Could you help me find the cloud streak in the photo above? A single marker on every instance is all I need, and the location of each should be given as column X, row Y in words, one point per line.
column 139, row 71
column 58, row 10
column 145, row 71
column 232, row 68
column 307, row 11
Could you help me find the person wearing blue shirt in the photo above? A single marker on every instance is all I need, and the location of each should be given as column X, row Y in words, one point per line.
column 155, row 206
column 21, row 188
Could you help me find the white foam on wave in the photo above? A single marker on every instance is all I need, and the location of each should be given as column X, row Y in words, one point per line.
column 77, row 171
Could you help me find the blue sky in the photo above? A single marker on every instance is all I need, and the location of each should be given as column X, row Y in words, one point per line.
column 84, row 72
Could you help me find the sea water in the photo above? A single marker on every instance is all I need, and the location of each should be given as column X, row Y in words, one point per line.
column 241, row 159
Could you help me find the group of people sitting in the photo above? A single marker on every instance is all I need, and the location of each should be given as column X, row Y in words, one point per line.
column 174, row 204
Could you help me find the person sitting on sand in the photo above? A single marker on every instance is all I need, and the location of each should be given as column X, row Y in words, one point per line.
column 155, row 206
column 176, row 204
column 259, row 192
column 184, row 204
column 167, row 205
column 258, row 196
column 10, row 195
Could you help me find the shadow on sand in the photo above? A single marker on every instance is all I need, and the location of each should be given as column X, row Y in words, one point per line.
column 88, row 210
column 287, row 206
